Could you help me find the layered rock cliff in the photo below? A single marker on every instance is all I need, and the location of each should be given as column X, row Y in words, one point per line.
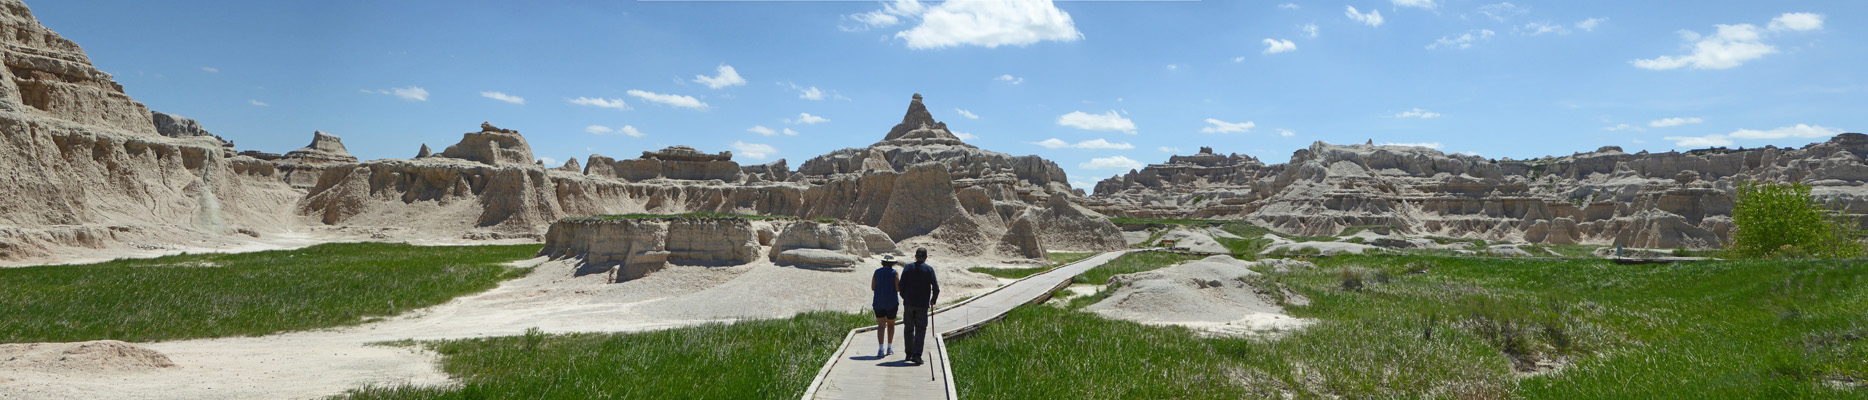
column 1661, row 200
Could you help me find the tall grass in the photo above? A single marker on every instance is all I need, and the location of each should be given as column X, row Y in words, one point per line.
column 1471, row 328
column 763, row 359
column 247, row 294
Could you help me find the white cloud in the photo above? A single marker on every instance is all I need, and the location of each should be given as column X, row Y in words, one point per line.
column 1539, row 28
column 669, row 99
column 1624, row 127
column 1117, row 163
column 1797, row 22
column 1663, row 123
column 811, row 93
column 1373, row 18
column 1279, row 46
column 967, row 114
column 1008, row 78
column 548, row 161
column 789, row 132
column 890, row 15
column 616, row 104
column 807, row 119
column 1097, row 122
column 1731, row 45
column 1165, row 149
column 753, row 151
column 258, row 103
column 1100, row 144
column 1430, row 145
column 1427, row 4
column 1311, row 30
column 503, row 97
column 1173, row 67
column 1700, row 141
column 1794, row 131
column 725, row 77
column 211, row 70
column 965, row 136
column 1417, row 113
column 1589, row 25
column 1502, row 11
column 1238, row 59
column 1288, row 6
column 1218, row 126
column 604, row 130
column 1463, row 41
column 1797, row 131
column 762, row 130
column 985, row 23
column 1286, row 133
column 412, row 93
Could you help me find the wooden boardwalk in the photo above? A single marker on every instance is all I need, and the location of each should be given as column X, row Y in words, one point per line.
column 856, row 372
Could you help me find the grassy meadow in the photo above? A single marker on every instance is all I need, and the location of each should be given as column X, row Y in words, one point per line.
column 1435, row 327
column 246, row 294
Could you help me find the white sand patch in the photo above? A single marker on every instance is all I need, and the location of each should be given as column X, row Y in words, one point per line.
column 1206, row 294
column 1195, row 240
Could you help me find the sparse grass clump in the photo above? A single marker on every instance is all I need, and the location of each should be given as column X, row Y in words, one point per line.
column 762, row 359
column 246, row 294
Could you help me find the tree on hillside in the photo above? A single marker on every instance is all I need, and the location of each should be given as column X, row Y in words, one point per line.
column 1782, row 220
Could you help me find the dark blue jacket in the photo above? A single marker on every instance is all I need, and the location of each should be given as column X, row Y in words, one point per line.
column 919, row 288
column 885, row 289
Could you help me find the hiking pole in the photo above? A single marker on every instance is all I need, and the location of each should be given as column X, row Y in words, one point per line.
column 930, row 317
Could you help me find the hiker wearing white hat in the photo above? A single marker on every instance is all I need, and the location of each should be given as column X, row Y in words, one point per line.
column 885, row 303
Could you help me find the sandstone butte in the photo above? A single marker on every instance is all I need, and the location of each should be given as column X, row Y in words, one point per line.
column 86, row 168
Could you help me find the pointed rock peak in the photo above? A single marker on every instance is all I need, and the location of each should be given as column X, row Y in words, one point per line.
column 920, row 124
column 488, row 127
column 571, row 166
column 425, row 152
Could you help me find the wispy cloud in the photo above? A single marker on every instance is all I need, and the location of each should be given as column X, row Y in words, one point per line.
column 1624, row 127
column 503, row 97
column 614, row 104
column 1116, row 163
column 669, row 99
column 1288, row 6
column 211, row 70
column 1462, row 42
column 753, row 151
column 1589, row 25
column 258, row 103
column 1503, row 11
column 604, row 130
column 1110, row 121
column 412, row 93
column 1427, row 4
column 984, row 23
column 762, row 130
column 1667, row 122
column 1372, row 18
column 1008, row 78
column 1097, row 144
column 1794, row 131
column 1165, row 149
column 1218, row 126
column 1286, row 133
column 724, row 77
column 1417, row 113
column 1310, row 30
column 807, row 119
column 965, row 113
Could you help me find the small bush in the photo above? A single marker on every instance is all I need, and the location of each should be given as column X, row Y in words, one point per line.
column 1782, row 220
column 1351, row 279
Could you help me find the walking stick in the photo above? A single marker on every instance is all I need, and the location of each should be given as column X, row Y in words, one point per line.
column 936, row 339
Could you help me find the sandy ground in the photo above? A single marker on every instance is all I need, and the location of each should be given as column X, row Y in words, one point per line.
column 312, row 364
column 1204, row 294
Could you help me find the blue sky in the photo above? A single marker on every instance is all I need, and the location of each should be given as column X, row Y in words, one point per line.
column 1099, row 87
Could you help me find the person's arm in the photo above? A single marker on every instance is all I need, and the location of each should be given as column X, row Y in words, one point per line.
column 872, row 282
column 933, row 288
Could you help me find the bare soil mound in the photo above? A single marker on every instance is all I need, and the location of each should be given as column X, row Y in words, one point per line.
column 101, row 356
column 1210, row 294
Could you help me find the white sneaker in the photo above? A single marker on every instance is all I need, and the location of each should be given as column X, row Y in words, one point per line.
column 891, row 349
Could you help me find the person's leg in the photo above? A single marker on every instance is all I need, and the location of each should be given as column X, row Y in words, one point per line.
column 917, row 331
column 882, row 324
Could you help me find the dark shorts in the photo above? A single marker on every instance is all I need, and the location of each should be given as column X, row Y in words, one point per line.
column 886, row 313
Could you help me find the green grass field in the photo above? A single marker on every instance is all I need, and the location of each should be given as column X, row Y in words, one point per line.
column 1426, row 327
column 765, row 359
column 247, row 294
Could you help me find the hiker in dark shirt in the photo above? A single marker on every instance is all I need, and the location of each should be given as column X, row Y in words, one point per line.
column 920, row 291
column 885, row 303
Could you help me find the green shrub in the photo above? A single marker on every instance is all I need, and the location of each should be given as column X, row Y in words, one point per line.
column 1781, row 220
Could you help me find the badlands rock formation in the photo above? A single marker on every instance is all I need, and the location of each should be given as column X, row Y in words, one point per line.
column 324, row 148
column 637, row 247
column 1661, row 200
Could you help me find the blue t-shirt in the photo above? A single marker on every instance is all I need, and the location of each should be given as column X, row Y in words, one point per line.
column 885, row 289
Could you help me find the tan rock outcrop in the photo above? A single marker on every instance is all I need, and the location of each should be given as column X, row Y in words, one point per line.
column 491, row 146
column 324, row 148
